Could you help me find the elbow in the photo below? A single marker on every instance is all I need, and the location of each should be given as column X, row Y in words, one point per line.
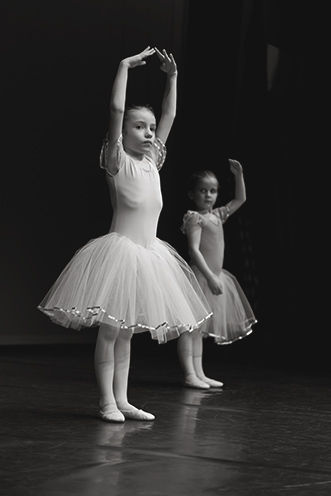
column 238, row 202
column 169, row 112
column 116, row 109
column 170, row 117
column 242, row 198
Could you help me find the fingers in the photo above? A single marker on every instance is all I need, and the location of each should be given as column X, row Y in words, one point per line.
column 147, row 52
column 172, row 59
column 235, row 163
column 159, row 54
column 235, row 166
column 164, row 57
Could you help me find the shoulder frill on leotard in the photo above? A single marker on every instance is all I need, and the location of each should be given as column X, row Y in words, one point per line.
column 103, row 161
column 157, row 154
column 193, row 218
column 223, row 213
column 190, row 219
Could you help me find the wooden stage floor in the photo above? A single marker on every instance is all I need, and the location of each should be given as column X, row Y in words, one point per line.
column 267, row 432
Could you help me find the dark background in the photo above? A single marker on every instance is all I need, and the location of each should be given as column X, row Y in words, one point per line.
column 235, row 100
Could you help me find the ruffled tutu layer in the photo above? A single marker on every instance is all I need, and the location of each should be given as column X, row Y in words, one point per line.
column 233, row 316
column 113, row 281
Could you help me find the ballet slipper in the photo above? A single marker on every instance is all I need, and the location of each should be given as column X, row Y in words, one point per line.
column 212, row 383
column 112, row 416
column 195, row 383
column 135, row 414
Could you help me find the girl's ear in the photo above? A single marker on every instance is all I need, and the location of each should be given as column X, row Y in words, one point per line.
column 190, row 195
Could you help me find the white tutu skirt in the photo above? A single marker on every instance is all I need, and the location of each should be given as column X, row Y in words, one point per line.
column 113, row 281
column 233, row 316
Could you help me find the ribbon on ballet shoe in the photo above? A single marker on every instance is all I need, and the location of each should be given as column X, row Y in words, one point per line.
column 113, row 416
column 135, row 414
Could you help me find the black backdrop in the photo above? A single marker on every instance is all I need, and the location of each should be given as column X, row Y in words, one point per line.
column 59, row 60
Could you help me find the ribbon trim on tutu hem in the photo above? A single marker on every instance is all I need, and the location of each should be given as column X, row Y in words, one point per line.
column 73, row 318
column 221, row 340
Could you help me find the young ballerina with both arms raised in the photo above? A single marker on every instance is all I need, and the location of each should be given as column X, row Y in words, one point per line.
column 128, row 280
column 232, row 315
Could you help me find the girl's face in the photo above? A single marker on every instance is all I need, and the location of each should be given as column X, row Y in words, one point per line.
column 205, row 194
column 139, row 132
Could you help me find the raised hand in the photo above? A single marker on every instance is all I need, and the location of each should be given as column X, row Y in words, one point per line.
column 139, row 59
column 235, row 167
column 168, row 63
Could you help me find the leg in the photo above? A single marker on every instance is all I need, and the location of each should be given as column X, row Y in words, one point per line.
column 122, row 353
column 185, row 355
column 197, row 361
column 104, row 361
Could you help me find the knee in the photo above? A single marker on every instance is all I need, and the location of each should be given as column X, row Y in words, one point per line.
column 190, row 336
column 108, row 333
column 125, row 334
column 184, row 341
column 196, row 334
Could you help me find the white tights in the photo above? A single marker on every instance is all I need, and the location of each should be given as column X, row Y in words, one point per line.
column 190, row 350
column 112, row 363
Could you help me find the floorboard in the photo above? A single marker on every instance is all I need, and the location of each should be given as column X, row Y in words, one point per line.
column 267, row 432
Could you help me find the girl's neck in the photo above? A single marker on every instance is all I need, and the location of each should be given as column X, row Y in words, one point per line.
column 205, row 211
column 133, row 154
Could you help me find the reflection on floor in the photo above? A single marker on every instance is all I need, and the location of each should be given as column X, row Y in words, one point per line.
column 267, row 431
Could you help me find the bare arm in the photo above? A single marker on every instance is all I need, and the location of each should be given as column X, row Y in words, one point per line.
column 118, row 96
column 169, row 102
column 117, row 103
column 193, row 238
column 240, row 189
